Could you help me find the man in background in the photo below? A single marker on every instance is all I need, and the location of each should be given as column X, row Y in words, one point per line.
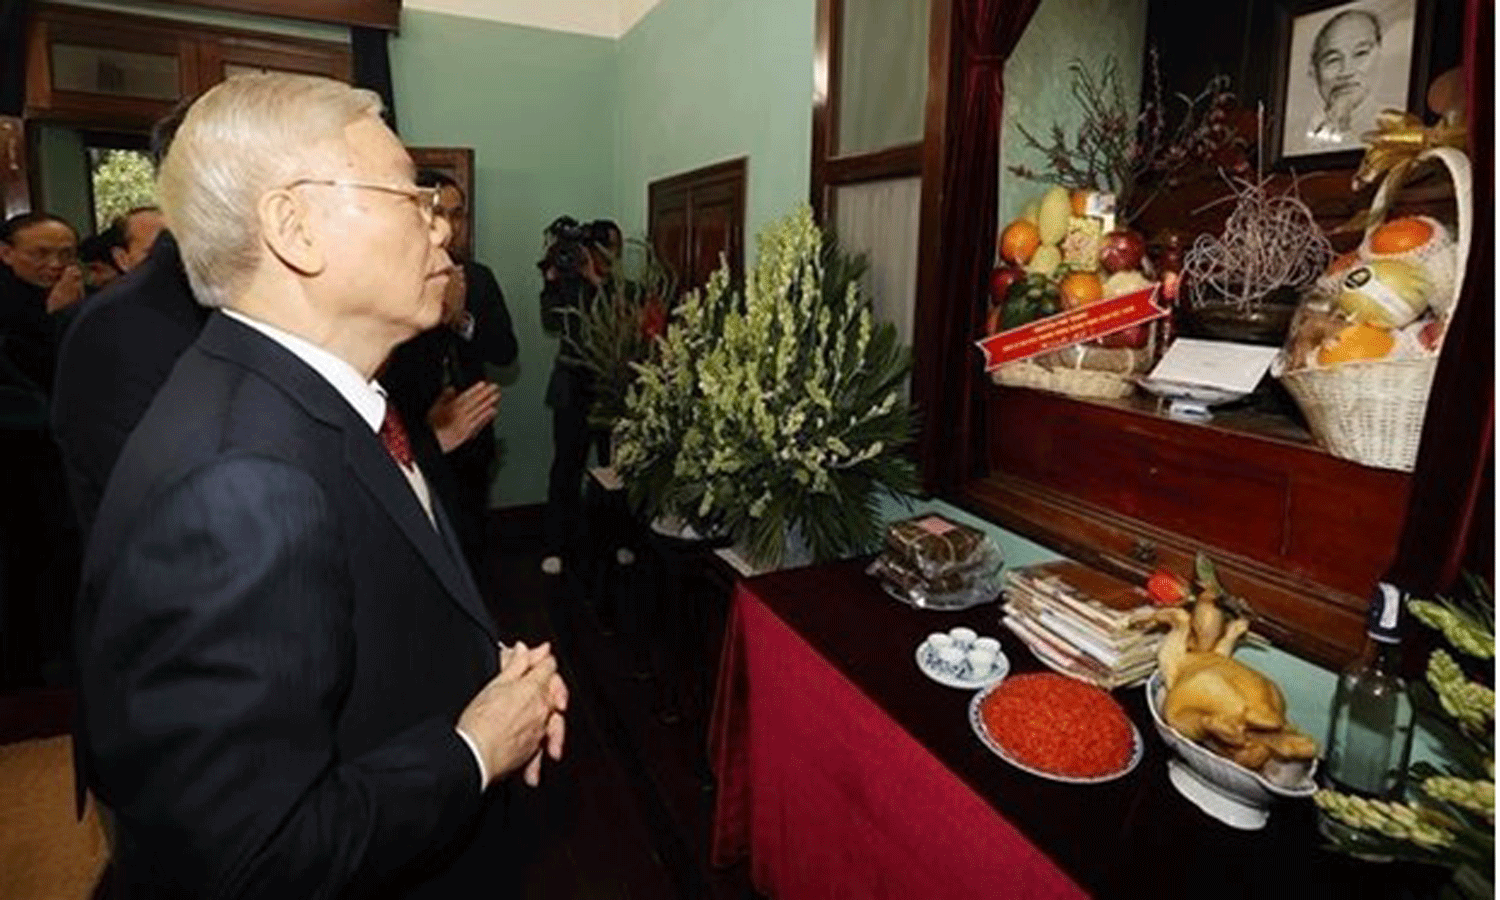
column 439, row 377
column 96, row 258
column 39, row 282
column 138, row 229
column 122, row 346
column 575, row 271
column 40, row 286
column 119, row 248
column 289, row 686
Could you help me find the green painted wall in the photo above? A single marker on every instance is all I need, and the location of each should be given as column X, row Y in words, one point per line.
column 1037, row 78
column 538, row 107
column 64, row 171
column 702, row 81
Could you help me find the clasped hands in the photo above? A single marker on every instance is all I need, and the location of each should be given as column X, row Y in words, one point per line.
column 456, row 416
column 518, row 715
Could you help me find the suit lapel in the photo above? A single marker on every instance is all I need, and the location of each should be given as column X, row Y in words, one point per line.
column 363, row 452
column 374, row 466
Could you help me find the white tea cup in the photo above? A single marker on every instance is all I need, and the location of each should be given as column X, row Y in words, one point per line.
column 988, row 643
column 951, row 659
column 981, row 663
column 938, row 640
column 962, row 636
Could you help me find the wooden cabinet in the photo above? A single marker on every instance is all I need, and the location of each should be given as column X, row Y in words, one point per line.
column 119, row 71
column 695, row 217
column 1301, row 534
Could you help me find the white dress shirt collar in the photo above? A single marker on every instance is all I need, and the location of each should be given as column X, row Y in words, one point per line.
column 367, row 397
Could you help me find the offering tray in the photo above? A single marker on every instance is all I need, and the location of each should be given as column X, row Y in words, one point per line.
column 1227, row 791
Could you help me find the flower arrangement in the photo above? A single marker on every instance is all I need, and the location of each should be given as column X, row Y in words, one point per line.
column 1137, row 156
column 1450, row 821
column 619, row 327
column 776, row 411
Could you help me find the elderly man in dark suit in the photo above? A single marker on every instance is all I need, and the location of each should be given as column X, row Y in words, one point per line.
column 289, row 686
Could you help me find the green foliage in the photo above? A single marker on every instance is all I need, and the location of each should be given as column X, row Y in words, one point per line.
column 774, row 410
column 1450, row 818
column 123, row 180
column 619, row 327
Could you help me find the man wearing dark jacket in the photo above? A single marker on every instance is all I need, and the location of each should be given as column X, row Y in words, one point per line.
column 114, row 358
column 288, row 684
column 438, row 377
column 40, row 286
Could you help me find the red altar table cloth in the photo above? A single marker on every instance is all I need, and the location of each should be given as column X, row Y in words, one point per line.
column 844, row 772
column 835, row 798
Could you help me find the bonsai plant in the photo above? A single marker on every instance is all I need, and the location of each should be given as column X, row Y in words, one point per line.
column 776, row 411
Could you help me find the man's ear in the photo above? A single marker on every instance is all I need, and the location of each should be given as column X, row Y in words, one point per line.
column 288, row 233
column 118, row 254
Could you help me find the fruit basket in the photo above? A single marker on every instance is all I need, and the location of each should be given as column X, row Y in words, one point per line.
column 1371, row 412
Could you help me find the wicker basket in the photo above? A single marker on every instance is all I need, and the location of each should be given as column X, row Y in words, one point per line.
column 1372, row 412
column 1081, row 370
column 1073, row 382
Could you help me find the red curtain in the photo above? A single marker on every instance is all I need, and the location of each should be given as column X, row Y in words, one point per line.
column 1450, row 525
column 950, row 390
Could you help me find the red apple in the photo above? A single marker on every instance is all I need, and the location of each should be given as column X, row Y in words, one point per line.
column 1132, row 338
column 1001, row 278
column 1122, row 249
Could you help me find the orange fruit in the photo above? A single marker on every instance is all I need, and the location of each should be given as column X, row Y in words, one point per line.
column 1400, row 235
column 1019, row 241
column 1357, row 342
column 1080, row 288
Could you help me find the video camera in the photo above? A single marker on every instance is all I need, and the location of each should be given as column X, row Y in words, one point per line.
column 568, row 240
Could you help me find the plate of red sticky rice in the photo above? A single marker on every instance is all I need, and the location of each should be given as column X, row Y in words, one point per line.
column 1056, row 727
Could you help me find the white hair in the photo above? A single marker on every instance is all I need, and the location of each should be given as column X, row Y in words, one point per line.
column 246, row 136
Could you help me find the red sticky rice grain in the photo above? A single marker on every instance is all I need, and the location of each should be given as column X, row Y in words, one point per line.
column 1059, row 725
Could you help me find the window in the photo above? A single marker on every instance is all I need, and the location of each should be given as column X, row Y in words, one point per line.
column 122, row 179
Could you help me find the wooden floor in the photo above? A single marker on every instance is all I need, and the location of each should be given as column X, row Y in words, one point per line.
column 626, row 813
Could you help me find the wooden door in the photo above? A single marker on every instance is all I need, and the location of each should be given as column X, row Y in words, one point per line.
column 697, row 217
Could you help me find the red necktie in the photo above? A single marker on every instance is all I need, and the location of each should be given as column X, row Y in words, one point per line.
column 393, row 436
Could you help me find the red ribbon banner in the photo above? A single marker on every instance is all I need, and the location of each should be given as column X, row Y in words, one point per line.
column 1072, row 327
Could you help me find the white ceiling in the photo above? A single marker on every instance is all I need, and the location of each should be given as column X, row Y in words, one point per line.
column 601, row 18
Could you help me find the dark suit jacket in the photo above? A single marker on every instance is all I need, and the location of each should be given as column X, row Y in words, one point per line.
column 274, row 645
column 416, row 374
column 28, row 333
column 114, row 358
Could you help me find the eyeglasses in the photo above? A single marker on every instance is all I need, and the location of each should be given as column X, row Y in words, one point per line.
column 427, row 199
column 65, row 256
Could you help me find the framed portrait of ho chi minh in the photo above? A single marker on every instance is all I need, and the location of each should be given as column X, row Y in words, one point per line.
column 1336, row 66
column 458, row 164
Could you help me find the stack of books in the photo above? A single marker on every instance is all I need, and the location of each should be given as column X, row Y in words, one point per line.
column 1076, row 620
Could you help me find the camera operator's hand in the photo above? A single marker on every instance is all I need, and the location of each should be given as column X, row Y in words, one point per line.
column 456, row 417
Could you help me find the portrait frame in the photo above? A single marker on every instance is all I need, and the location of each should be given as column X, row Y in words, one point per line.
column 1299, row 134
column 458, row 164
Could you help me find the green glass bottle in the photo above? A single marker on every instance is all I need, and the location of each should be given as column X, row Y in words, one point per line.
column 1370, row 725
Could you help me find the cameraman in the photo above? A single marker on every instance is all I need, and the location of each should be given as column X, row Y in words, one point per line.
column 575, row 270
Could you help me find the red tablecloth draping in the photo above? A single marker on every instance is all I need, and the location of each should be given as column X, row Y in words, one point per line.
column 831, row 798
column 844, row 772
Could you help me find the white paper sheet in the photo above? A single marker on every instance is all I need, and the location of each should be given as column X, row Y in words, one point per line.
column 1220, row 364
